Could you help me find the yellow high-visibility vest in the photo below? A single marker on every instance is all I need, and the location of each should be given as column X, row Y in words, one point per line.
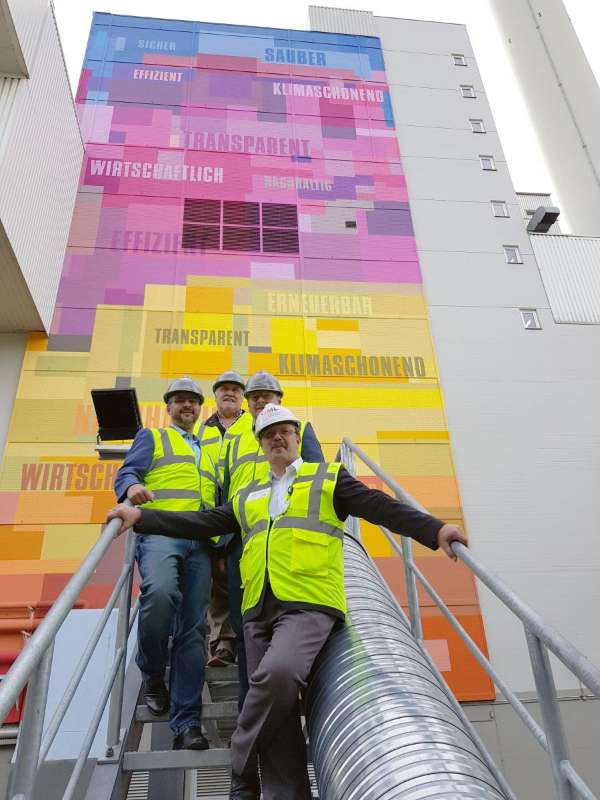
column 173, row 476
column 245, row 459
column 301, row 550
column 213, row 447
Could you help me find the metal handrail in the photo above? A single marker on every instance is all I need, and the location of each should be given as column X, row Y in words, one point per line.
column 540, row 638
column 33, row 665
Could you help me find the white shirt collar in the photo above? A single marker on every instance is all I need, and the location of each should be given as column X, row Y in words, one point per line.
column 291, row 470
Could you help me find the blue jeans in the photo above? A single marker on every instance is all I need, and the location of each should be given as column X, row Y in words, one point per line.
column 174, row 598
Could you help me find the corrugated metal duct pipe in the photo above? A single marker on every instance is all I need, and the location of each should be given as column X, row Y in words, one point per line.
column 380, row 725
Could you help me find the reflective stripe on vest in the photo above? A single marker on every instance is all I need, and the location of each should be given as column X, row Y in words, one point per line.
column 301, row 549
column 246, row 460
column 173, row 476
column 212, row 449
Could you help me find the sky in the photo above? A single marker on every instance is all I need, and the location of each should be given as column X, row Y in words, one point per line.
column 526, row 164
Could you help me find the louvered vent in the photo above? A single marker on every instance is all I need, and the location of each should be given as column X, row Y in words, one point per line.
column 280, row 228
column 279, row 215
column 200, row 237
column 236, row 213
column 206, row 211
column 241, row 239
column 240, row 224
column 280, row 240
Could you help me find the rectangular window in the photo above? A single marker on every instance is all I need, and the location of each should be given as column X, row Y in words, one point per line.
column 530, row 318
column 487, row 162
column 512, row 254
column 241, row 226
column 468, row 91
column 459, row 60
column 499, row 208
column 477, row 125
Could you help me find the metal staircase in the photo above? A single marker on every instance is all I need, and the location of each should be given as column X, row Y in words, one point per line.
column 382, row 722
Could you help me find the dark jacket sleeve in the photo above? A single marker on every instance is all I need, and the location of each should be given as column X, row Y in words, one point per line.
column 352, row 498
column 197, row 525
column 136, row 465
column 311, row 448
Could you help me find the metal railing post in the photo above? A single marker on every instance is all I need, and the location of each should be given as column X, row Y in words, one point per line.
column 412, row 592
column 113, row 731
column 347, row 459
column 555, row 736
column 24, row 771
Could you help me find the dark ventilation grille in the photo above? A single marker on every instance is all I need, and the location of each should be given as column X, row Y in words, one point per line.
column 206, row 211
column 280, row 241
column 200, row 237
column 236, row 213
column 240, row 226
column 241, row 239
column 279, row 215
column 280, row 228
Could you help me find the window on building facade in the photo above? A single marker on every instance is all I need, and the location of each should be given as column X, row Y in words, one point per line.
column 512, row 254
column 468, row 91
column 240, row 226
column 499, row 208
column 477, row 125
column 459, row 60
column 530, row 318
column 487, row 162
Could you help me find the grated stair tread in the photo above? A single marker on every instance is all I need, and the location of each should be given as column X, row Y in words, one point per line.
column 152, row 760
column 223, row 710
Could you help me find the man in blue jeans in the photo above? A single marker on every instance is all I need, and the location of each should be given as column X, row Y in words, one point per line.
column 161, row 471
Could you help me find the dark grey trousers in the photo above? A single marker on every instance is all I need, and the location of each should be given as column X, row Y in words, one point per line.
column 281, row 647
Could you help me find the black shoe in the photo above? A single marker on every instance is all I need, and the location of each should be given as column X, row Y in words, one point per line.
column 244, row 788
column 222, row 658
column 156, row 696
column 191, row 739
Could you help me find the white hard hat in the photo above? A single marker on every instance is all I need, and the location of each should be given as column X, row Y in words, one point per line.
column 272, row 414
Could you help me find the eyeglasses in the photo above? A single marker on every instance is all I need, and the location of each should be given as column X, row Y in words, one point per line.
column 271, row 433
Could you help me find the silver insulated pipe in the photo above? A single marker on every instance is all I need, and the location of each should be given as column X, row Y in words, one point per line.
column 381, row 727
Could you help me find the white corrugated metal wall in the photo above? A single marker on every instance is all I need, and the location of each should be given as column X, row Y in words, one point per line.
column 570, row 270
column 28, row 18
column 40, row 158
column 342, row 20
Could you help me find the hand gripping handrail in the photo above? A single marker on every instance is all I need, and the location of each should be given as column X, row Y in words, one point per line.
column 540, row 638
column 33, row 664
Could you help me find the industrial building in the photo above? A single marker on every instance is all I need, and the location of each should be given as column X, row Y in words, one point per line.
column 334, row 206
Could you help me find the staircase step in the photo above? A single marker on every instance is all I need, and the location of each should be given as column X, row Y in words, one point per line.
column 176, row 759
column 227, row 709
column 228, row 674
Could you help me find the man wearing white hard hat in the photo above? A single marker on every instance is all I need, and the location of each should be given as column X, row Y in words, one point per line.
column 291, row 526
column 243, row 461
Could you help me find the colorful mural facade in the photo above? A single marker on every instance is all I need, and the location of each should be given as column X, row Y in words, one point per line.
column 242, row 205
